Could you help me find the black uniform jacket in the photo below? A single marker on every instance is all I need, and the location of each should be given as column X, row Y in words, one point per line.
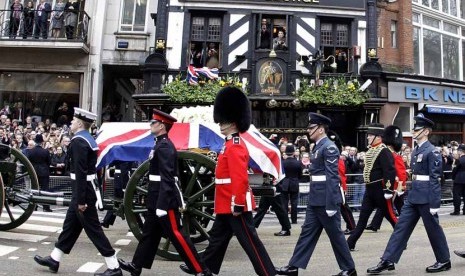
column 458, row 173
column 163, row 191
column 293, row 172
column 40, row 160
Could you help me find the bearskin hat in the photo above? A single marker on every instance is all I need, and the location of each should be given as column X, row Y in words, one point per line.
column 232, row 106
column 392, row 136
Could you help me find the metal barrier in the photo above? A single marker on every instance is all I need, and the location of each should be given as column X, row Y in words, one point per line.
column 63, row 184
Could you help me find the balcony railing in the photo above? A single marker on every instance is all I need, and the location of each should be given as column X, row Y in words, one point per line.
column 71, row 26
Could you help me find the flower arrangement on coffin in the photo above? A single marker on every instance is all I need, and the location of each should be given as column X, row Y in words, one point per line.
column 201, row 86
column 333, row 91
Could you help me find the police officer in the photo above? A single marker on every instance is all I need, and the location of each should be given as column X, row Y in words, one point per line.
column 323, row 210
column 423, row 200
column 234, row 200
column 82, row 212
column 379, row 174
column 164, row 201
column 290, row 184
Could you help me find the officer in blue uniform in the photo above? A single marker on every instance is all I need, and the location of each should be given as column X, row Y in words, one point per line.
column 323, row 210
column 82, row 211
column 423, row 200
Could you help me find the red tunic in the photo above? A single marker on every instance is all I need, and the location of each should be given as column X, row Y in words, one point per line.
column 401, row 170
column 232, row 179
column 341, row 167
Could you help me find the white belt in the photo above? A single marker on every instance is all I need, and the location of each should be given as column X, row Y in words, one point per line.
column 318, row 177
column 420, row 177
column 222, row 180
column 89, row 177
column 153, row 177
column 117, row 171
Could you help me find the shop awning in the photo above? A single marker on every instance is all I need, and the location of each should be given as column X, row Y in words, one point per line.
column 444, row 109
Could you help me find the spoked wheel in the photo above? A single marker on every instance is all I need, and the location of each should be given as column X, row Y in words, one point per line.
column 19, row 178
column 197, row 178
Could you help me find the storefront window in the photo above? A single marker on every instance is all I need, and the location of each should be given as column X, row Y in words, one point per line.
column 133, row 15
column 40, row 94
column 205, row 42
column 451, row 59
column 432, row 53
column 402, row 119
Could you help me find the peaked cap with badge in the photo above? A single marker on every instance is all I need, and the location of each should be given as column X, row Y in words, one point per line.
column 392, row 136
column 315, row 119
column 376, row 129
column 232, row 106
column 422, row 122
column 84, row 115
column 160, row 116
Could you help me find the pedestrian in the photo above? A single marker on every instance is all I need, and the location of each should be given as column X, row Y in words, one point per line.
column 324, row 199
column 423, row 200
column 276, row 203
column 379, row 175
column 41, row 161
column 82, row 211
column 458, row 175
column 392, row 138
column 290, row 183
column 234, row 200
column 164, row 202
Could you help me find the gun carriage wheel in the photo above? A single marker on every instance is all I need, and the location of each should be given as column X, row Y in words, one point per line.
column 19, row 179
column 197, row 179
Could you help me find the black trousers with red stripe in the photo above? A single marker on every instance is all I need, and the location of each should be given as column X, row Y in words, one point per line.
column 242, row 227
column 169, row 226
column 373, row 198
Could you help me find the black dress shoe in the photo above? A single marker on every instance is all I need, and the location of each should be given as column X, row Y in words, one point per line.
column 186, row 269
column 455, row 214
column 111, row 272
column 104, row 225
column 288, row 270
column 382, row 266
column 47, row 261
column 438, row 267
column 129, row 267
column 460, row 253
column 369, row 227
column 283, row 233
column 351, row 272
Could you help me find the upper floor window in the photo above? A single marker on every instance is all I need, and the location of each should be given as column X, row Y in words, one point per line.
column 133, row 15
column 272, row 32
column 335, row 42
column 205, row 42
column 394, row 34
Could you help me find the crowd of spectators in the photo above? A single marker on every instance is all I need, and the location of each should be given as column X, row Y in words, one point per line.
column 21, row 136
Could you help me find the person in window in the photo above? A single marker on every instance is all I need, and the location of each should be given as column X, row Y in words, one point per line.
column 57, row 18
column 212, row 56
column 71, row 17
column 195, row 56
column 15, row 17
column 279, row 42
column 264, row 36
column 42, row 14
column 28, row 15
column 341, row 61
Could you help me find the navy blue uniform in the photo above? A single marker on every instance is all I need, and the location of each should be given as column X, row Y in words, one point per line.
column 325, row 194
column 424, row 193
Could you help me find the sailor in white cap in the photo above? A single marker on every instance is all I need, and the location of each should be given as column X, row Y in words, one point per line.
column 82, row 212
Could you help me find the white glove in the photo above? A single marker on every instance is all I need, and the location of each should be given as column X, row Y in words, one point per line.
column 330, row 213
column 160, row 213
column 433, row 211
column 387, row 196
column 399, row 193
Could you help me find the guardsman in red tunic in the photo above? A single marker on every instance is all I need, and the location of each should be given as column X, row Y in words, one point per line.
column 234, row 200
column 164, row 199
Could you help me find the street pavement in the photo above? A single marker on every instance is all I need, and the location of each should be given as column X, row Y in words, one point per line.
column 38, row 234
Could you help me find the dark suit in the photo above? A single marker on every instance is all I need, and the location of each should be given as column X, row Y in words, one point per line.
column 424, row 193
column 41, row 17
column 458, row 175
column 325, row 194
column 41, row 161
column 290, row 185
column 164, row 194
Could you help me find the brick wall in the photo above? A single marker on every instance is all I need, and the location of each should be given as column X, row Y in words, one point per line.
column 399, row 59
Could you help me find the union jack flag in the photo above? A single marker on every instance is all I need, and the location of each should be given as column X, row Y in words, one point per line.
column 133, row 142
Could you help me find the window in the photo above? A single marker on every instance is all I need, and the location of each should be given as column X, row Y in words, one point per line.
column 416, row 49
column 432, row 53
column 451, row 59
column 335, row 42
column 450, row 7
column 394, row 34
column 205, row 42
column 133, row 15
column 272, row 32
